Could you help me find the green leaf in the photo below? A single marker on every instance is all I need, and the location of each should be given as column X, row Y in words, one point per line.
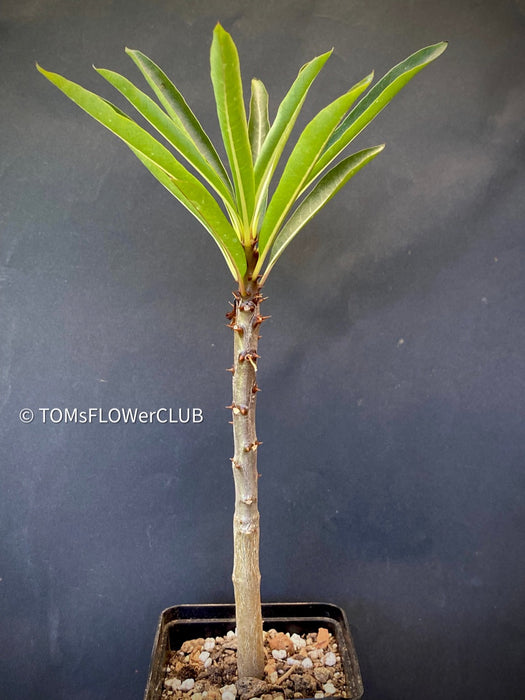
column 302, row 160
column 228, row 242
column 258, row 122
column 169, row 129
column 322, row 193
column 378, row 97
column 282, row 126
column 227, row 85
column 186, row 187
column 178, row 109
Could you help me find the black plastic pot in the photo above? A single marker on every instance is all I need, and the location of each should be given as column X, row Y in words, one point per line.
column 183, row 622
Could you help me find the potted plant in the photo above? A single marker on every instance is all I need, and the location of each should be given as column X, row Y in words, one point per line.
column 251, row 225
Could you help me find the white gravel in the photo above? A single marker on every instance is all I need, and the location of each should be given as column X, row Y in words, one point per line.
column 293, row 662
column 298, row 642
column 329, row 659
column 279, row 653
column 229, row 692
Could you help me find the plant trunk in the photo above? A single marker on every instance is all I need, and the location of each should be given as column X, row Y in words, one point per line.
column 245, row 322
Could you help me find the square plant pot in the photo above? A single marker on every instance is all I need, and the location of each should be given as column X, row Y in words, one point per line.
column 183, row 622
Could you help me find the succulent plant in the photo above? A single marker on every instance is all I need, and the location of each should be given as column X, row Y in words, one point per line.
column 251, row 227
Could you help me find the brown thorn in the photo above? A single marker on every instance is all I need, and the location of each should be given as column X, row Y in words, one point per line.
column 253, row 447
column 257, row 320
column 248, row 500
column 230, row 369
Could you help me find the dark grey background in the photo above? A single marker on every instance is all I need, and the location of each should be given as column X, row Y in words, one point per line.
column 392, row 368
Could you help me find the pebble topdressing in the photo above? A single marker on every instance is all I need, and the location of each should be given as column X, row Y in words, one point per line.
column 307, row 666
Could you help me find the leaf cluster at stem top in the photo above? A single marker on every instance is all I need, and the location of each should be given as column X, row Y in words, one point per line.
column 251, row 229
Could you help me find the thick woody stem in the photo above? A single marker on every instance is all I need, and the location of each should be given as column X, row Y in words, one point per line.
column 245, row 322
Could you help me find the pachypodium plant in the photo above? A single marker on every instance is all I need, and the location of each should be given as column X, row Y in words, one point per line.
column 250, row 227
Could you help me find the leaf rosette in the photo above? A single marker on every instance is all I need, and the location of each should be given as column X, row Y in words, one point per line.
column 251, row 228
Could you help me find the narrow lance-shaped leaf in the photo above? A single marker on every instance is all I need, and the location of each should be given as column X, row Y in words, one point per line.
column 233, row 252
column 177, row 107
column 258, row 122
column 169, row 129
column 374, row 101
column 228, row 243
column 258, row 127
column 322, row 193
column 283, row 124
column 227, row 85
column 300, row 164
column 193, row 192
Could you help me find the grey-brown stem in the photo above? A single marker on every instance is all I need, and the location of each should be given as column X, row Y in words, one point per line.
column 245, row 322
